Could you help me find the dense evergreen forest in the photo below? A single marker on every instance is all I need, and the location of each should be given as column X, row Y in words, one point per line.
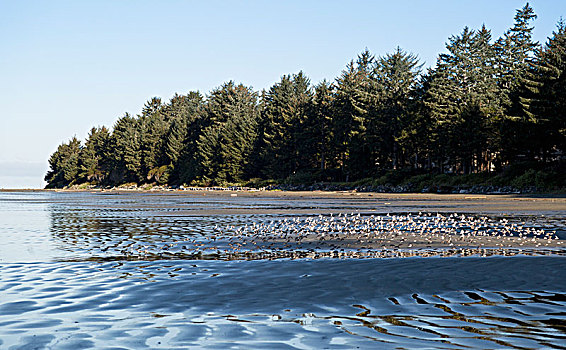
column 486, row 105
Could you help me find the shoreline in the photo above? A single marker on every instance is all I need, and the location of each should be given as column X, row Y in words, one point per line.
column 229, row 190
column 364, row 202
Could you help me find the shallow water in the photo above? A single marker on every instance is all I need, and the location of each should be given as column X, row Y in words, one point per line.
column 130, row 271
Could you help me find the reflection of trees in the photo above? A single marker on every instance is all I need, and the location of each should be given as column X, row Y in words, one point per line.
column 144, row 234
column 95, row 232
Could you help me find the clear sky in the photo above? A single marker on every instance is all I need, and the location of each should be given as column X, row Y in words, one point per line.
column 66, row 66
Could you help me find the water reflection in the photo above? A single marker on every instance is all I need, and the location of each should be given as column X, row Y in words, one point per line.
column 134, row 233
column 131, row 271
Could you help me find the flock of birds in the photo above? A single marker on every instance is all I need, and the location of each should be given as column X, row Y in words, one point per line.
column 355, row 235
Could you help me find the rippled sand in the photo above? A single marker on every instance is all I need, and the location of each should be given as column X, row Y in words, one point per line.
column 130, row 271
column 445, row 303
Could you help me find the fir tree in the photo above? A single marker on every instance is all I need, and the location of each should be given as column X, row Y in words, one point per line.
column 229, row 134
column 462, row 100
column 356, row 95
column 513, row 52
column 153, row 127
column 126, row 155
column 285, row 114
column 64, row 165
column 544, row 100
column 321, row 128
column 396, row 77
column 93, row 156
column 482, row 105
column 185, row 169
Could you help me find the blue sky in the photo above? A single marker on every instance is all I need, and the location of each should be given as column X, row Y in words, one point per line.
column 66, row 66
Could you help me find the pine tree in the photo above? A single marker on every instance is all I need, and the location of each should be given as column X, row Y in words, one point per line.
column 64, row 165
column 174, row 141
column 228, row 135
column 93, row 156
column 153, row 126
column 544, row 100
column 126, row 152
column 180, row 113
column 286, row 147
column 180, row 106
column 236, row 142
column 356, row 95
column 396, row 78
column 321, row 125
column 302, row 128
column 278, row 112
column 418, row 135
column 185, row 168
column 513, row 52
column 482, row 105
column 462, row 101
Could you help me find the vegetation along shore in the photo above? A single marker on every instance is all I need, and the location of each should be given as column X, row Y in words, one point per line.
column 490, row 116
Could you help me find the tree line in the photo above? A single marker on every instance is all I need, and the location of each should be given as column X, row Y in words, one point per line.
column 485, row 105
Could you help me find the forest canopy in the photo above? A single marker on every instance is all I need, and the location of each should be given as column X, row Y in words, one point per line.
column 487, row 104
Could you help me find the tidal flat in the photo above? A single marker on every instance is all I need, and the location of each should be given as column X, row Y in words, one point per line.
column 286, row 270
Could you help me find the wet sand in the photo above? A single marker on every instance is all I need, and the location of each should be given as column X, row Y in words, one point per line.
column 310, row 304
column 124, row 270
column 322, row 224
column 478, row 203
column 511, row 204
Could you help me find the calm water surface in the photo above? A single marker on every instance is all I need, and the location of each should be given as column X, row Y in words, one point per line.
column 131, row 271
